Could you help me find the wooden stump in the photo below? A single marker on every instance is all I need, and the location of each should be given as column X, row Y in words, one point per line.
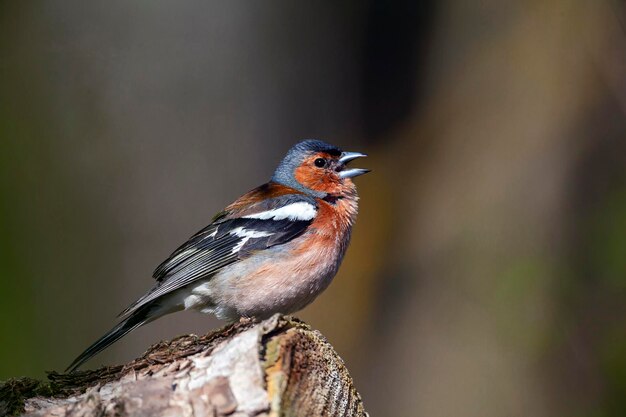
column 276, row 367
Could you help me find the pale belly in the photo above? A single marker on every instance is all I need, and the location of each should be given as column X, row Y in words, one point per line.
column 270, row 282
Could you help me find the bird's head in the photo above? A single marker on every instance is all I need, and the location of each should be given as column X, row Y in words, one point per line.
column 319, row 169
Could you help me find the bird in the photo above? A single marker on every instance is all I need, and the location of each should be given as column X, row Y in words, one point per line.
column 273, row 250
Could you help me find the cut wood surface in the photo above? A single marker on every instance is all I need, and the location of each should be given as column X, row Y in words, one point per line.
column 276, row 367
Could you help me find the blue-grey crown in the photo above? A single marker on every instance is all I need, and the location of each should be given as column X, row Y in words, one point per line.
column 284, row 174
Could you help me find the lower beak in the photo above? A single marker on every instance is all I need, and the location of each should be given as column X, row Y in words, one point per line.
column 354, row 172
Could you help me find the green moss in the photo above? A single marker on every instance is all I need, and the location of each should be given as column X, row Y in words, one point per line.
column 14, row 392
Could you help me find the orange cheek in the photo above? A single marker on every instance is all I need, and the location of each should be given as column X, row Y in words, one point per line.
column 317, row 180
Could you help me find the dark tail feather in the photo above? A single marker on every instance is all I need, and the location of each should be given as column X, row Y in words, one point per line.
column 137, row 319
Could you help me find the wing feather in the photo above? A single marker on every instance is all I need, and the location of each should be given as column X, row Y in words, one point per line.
column 233, row 235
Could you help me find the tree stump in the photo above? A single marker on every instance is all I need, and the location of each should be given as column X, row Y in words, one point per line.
column 276, row 367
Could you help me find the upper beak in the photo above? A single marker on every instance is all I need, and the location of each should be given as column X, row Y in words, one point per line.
column 354, row 172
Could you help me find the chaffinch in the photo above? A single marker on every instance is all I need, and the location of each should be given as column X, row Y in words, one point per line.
column 273, row 250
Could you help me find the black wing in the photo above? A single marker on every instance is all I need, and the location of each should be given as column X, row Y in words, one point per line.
column 223, row 242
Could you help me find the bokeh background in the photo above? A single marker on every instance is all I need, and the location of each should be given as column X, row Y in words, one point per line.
column 487, row 272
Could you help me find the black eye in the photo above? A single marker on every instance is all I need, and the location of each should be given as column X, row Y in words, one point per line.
column 320, row 162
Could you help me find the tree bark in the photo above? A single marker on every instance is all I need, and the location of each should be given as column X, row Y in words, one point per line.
column 276, row 367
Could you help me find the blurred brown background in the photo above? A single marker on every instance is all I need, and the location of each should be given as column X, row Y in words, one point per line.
column 487, row 272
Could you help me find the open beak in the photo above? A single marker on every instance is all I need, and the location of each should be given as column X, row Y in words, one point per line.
column 353, row 172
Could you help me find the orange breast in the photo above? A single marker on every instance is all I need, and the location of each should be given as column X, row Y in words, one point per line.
column 287, row 279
